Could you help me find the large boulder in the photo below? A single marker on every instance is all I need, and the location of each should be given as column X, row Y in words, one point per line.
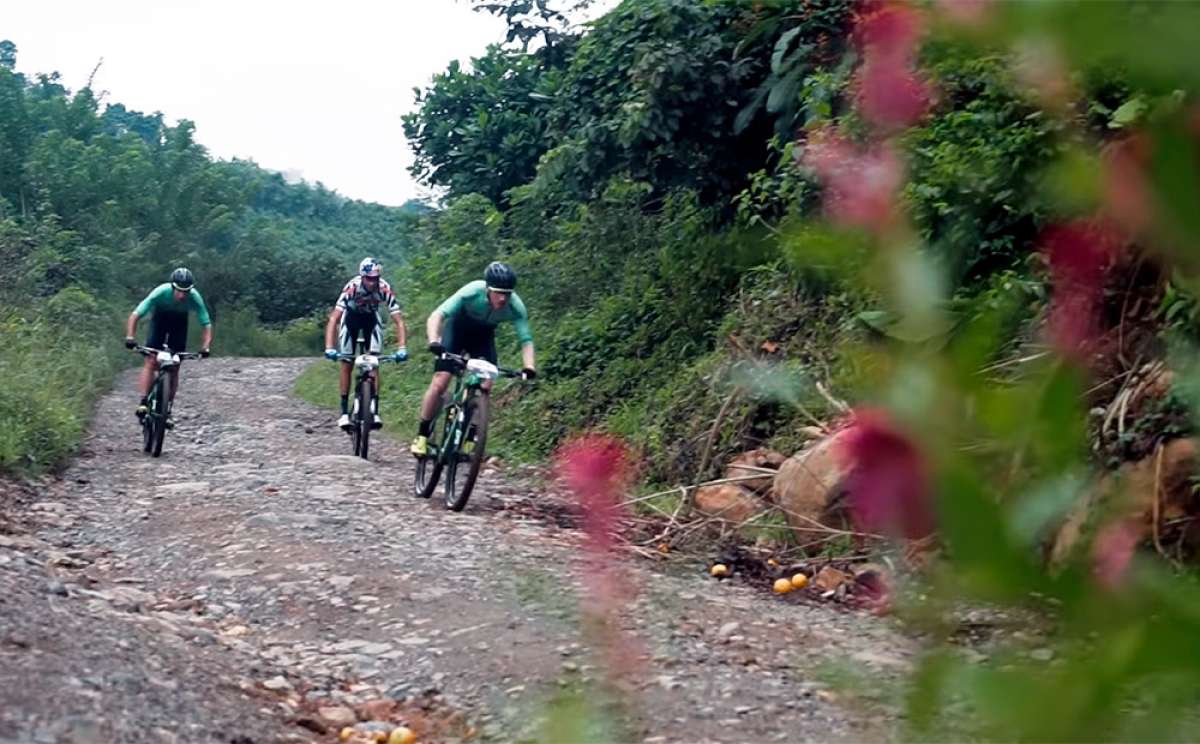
column 728, row 501
column 1157, row 486
column 752, row 463
column 808, row 483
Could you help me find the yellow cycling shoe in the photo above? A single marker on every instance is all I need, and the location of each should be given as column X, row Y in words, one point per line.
column 420, row 446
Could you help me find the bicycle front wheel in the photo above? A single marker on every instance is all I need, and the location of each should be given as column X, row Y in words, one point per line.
column 158, row 413
column 462, row 468
column 362, row 427
column 148, row 424
column 429, row 468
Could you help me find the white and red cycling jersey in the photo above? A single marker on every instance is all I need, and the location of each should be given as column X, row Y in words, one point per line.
column 356, row 298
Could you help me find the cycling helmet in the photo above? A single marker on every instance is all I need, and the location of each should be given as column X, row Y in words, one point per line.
column 370, row 267
column 500, row 277
column 182, row 279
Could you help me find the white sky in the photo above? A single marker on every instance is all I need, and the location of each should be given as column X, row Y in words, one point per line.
column 310, row 86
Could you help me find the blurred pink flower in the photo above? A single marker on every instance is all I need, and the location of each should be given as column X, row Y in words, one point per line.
column 887, row 480
column 596, row 468
column 1126, row 191
column 860, row 185
column 890, row 92
column 1112, row 552
column 1040, row 68
column 1080, row 255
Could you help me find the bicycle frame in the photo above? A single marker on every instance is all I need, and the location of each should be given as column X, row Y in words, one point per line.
column 158, row 396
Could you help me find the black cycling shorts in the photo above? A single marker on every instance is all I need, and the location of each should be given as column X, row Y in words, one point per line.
column 465, row 336
column 168, row 331
column 364, row 325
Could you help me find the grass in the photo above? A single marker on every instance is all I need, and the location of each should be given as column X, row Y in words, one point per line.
column 53, row 374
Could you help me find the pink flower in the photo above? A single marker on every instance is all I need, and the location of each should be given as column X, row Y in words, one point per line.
column 1080, row 255
column 1112, row 552
column 860, row 185
column 891, row 95
column 1126, row 191
column 596, row 468
column 887, row 481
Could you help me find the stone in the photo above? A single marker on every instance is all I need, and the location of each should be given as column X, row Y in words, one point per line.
column 278, row 683
column 183, row 488
column 807, row 484
column 337, row 715
column 728, row 501
column 751, row 463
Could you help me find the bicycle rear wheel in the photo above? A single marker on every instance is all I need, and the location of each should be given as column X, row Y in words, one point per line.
column 362, row 423
column 429, row 468
column 462, row 468
column 158, row 412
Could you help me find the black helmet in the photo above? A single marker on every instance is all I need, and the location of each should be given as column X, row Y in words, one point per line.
column 182, row 279
column 500, row 277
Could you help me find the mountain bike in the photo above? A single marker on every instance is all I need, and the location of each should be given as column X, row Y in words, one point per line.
column 362, row 413
column 456, row 444
column 158, row 400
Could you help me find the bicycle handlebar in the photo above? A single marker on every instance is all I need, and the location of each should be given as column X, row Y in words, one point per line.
column 382, row 358
column 151, row 351
column 462, row 360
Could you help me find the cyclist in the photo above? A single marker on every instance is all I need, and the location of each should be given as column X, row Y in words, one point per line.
column 171, row 303
column 466, row 322
column 357, row 311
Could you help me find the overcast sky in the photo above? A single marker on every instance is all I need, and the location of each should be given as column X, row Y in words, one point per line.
column 310, row 86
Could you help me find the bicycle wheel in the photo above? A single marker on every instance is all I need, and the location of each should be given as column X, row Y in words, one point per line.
column 429, row 468
column 158, row 412
column 362, row 425
column 148, row 422
column 463, row 467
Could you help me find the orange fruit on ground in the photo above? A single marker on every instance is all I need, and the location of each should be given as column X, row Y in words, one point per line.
column 772, row 562
column 402, row 735
column 720, row 569
column 346, row 733
column 799, row 581
column 782, row 586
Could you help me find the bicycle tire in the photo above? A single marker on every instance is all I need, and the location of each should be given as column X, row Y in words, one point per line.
column 148, row 423
column 362, row 426
column 475, row 414
column 429, row 468
column 160, row 418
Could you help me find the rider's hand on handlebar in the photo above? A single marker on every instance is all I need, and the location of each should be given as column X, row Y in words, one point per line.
column 204, row 353
column 401, row 354
column 436, row 348
column 331, row 354
column 130, row 342
column 528, row 373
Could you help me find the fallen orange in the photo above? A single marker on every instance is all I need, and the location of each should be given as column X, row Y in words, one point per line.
column 799, row 581
column 782, row 586
column 402, row 735
column 719, row 570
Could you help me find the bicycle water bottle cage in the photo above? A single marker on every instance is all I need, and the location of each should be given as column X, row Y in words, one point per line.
column 481, row 370
column 167, row 359
column 366, row 361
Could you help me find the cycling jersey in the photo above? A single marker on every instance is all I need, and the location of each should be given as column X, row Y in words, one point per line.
column 358, row 299
column 162, row 300
column 472, row 302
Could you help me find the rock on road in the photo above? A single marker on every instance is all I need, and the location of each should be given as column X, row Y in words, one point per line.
column 257, row 584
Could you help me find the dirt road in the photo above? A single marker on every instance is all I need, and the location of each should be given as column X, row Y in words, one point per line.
column 256, row 584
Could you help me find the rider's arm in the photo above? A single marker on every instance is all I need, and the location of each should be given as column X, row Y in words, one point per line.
column 401, row 331
column 131, row 325
column 524, row 332
column 206, row 340
column 433, row 326
column 335, row 318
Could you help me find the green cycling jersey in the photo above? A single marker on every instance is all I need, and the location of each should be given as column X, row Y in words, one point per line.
column 162, row 299
column 472, row 301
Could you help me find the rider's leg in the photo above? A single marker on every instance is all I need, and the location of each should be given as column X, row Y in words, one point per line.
column 344, row 385
column 433, row 399
column 174, row 384
column 146, row 376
